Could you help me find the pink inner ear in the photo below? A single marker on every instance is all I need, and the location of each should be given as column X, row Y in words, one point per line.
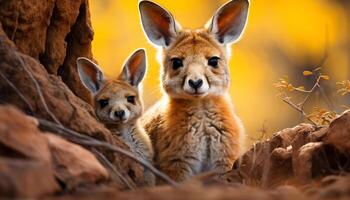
column 162, row 22
column 227, row 18
column 134, row 64
column 91, row 71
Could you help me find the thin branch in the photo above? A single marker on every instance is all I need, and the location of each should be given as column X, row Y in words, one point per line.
column 16, row 27
column 37, row 86
column 300, row 110
column 301, row 90
column 114, row 171
column 300, row 107
column 24, row 99
column 328, row 100
column 91, row 142
column 316, row 85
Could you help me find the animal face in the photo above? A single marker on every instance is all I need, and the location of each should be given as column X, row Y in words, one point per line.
column 195, row 66
column 116, row 101
column 195, row 62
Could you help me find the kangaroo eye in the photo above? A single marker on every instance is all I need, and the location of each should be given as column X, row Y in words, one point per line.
column 131, row 99
column 103, row 103
column 177, row 63
column 213, row 61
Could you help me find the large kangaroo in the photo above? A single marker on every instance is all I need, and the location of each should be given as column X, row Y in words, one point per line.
column 194, row 127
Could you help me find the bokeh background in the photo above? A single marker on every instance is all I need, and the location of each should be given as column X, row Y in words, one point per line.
column 282, row 38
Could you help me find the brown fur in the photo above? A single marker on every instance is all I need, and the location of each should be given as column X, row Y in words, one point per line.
column 115, row 94
column 194, row 129
column 178, row 125
column 130, row 132
column 117, row 90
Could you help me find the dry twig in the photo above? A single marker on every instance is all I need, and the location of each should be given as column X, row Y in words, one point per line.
column 24, row 99
column 301, row 106
column 284, row 86
column 113, row 170
column 37, row 86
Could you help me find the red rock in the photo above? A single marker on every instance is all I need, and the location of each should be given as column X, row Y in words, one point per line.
column 54, row 32
column 23, row 178
column 74, row 165
column 303, row 161
column 20, row 137
column 31, row 79
column 287, row 136
column 269, row 163
column 25, row 159
column 25, row 22
column 339, row 132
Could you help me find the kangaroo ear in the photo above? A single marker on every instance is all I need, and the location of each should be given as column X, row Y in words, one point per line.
column 229, row 21
column 158, row 24
column 135, row 68
column 90, row 74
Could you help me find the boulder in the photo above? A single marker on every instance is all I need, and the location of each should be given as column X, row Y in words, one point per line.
column 268, row 163
column 53, row 32
column 303, row 162
column 74, row 165
column 20, row 137
column 25, row 83
column 26, row 178
column 339, row 132
column 25, row 159
column 296, row 156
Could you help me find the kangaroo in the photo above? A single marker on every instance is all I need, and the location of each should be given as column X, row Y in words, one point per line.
column 118, row 105
column 194, row 128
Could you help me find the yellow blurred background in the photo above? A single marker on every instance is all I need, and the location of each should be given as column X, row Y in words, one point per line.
column 282, row 38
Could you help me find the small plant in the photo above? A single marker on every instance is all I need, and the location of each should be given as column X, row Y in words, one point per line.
column 322, row 116
column 343, row 87
column 263, row 133
column 319, row 116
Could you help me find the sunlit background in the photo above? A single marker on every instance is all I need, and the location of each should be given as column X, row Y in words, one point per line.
column 282, row 38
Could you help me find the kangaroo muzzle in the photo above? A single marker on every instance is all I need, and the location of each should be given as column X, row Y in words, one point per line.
column 119, row 114
column 195, row 82
column 196, row 86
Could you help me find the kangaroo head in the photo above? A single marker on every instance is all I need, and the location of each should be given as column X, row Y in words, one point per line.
column 116, row 101
column 195, row 62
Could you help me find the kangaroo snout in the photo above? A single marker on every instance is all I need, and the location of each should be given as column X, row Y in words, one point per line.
column 195, row 84
column 119, row 114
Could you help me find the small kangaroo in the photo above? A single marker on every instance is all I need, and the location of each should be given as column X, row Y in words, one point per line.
column 194, row 127
column 118, row 105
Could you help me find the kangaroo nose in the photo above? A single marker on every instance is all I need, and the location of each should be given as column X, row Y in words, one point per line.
column 195, row 84
column 120, row 114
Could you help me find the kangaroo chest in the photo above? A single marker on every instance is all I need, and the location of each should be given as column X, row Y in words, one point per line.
column 206, row 129
column 129, row 137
